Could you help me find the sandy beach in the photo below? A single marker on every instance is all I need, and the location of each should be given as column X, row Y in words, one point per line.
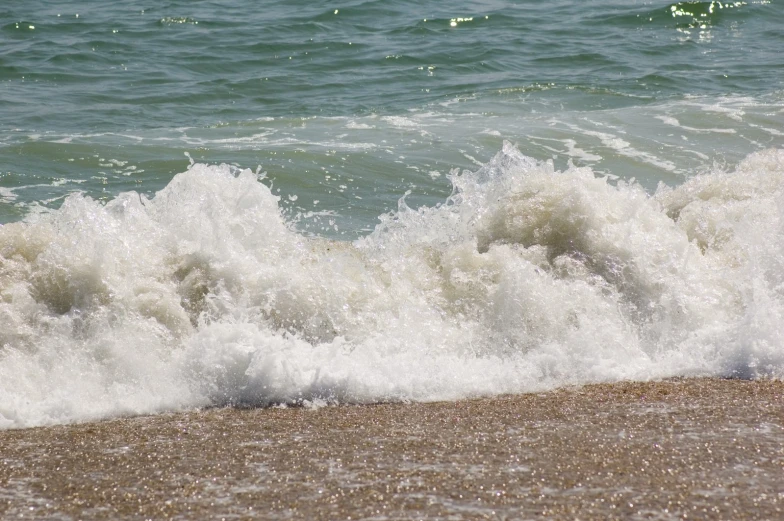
column 696, row 448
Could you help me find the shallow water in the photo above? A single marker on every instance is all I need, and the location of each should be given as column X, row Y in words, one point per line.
column 351, row 105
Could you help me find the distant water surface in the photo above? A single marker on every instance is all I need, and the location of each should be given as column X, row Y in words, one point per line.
column 369, row 99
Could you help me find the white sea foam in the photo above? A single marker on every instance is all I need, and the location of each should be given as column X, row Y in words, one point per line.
column 401, row 122
column 7, row 195
column 623, row 147
column 673, row 122
column 355, row 125
column 527, row 278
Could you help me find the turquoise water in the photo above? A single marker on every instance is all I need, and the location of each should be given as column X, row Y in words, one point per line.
column 219, row 203
column 342, row 101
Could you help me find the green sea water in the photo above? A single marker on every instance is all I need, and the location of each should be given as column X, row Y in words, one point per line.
column 348, row 105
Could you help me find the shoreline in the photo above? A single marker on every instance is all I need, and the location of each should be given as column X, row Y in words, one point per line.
column 706, row 448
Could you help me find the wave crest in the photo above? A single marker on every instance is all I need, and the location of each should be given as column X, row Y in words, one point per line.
column 525, row 278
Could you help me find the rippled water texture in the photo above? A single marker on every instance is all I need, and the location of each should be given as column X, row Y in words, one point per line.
column 347, row 106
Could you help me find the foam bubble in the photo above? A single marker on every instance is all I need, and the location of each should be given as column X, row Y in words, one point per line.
column 525, row 279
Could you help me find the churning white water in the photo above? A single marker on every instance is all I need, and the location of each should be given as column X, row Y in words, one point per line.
column 526, row 278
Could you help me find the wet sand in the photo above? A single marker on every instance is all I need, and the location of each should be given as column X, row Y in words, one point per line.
column 698, row 448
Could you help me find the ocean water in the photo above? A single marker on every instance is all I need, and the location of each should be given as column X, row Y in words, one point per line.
column 350, row 202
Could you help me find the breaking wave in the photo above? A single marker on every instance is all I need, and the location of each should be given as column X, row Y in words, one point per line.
column 526, row 278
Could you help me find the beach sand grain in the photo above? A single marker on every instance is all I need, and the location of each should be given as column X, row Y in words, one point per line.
column 691, row 448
